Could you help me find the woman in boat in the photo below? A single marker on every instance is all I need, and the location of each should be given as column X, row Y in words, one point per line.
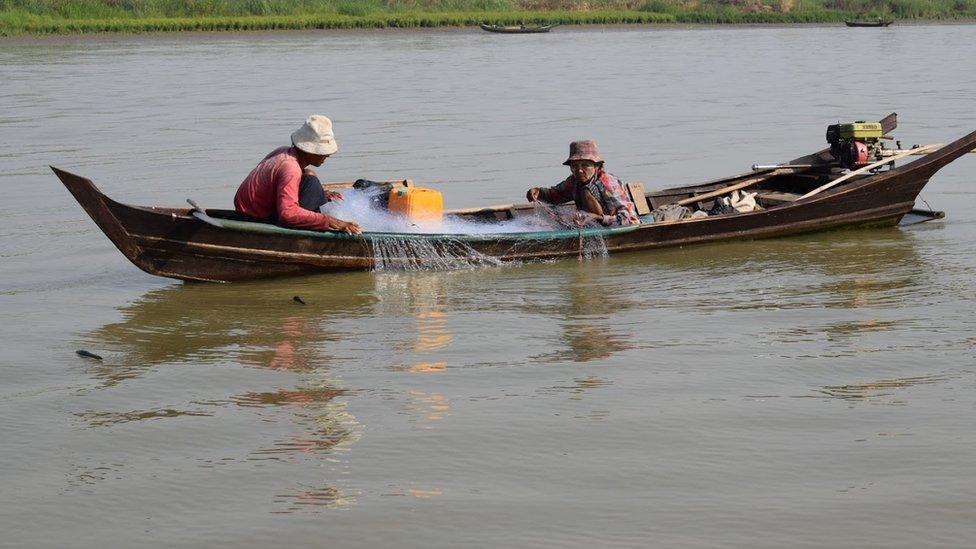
column 283, row 189
column 599, row 195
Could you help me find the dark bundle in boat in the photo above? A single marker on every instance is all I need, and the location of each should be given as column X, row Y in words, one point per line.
column 851, row 184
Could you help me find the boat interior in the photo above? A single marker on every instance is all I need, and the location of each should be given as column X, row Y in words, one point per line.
column 772, row 187
column 767, row 187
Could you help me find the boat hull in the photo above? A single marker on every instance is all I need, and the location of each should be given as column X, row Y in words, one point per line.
column 174, row 243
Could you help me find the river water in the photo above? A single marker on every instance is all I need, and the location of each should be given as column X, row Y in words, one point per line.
column 814, row 391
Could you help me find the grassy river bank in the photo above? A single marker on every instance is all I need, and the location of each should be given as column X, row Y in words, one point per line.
column 42, row 17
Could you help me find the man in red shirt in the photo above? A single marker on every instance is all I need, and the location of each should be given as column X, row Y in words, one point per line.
column 282, row 189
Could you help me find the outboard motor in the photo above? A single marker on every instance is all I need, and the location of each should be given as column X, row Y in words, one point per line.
column 855, row 144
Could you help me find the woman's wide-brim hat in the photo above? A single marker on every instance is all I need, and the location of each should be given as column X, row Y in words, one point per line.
column 583, row 150
column 315, row 136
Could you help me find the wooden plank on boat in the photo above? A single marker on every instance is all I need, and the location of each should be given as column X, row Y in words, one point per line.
column 774, row 198
column 740, row 185
column 639, row 196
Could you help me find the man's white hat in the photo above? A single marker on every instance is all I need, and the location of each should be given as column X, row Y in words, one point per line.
column 315, row 136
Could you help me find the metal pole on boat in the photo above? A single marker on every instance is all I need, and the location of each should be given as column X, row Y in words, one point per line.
column 919, row 148
column 764, row 167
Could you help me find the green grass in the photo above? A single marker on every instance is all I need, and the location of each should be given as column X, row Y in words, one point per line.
column 38, row 17
column 20, row 23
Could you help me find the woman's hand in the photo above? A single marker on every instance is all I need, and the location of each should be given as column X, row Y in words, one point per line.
column 582, row 218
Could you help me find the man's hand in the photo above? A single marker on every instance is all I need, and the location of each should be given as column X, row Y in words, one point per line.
column 533, row 194
column 347, row 227
column 331, row 196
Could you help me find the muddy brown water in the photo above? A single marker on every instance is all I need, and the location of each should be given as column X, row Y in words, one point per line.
column 813, row 391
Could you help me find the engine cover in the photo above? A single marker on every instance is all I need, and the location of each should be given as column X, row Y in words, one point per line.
column 855, row 153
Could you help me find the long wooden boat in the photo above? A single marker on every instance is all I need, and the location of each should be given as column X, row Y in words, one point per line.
column 516, row 29
column 211, row 245
column 869, row 23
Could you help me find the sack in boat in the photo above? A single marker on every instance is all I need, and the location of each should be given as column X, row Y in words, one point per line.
column 743, row 202
column 378, row 193
column 670, row 212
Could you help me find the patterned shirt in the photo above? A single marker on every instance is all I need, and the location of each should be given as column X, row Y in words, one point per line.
column 270, row 192
column 605, row 187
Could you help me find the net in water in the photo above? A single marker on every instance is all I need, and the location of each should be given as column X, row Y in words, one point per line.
column 422, row 254
column 441, row 245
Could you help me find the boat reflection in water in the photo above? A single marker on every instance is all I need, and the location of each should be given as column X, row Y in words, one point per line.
column 418, row 301
column 588, row 305
column 246, row 363
column 256, row 325
column 882, row 391
column 204, row 353
column 844, row 299
column 839, row 269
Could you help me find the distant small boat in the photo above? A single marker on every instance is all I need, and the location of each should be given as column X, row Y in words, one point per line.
column 516, row 29
column 868, row 23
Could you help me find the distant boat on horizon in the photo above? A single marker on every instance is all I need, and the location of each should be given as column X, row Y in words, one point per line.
column 517, row 29
column 879, row 22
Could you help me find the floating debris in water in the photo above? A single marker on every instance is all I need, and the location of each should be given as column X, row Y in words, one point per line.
column 86, row 354
column 298, row 300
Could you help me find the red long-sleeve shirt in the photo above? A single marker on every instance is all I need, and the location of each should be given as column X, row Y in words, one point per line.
column 271, row 191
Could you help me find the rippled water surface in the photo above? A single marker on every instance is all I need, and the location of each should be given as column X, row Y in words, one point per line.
column 814, row 391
